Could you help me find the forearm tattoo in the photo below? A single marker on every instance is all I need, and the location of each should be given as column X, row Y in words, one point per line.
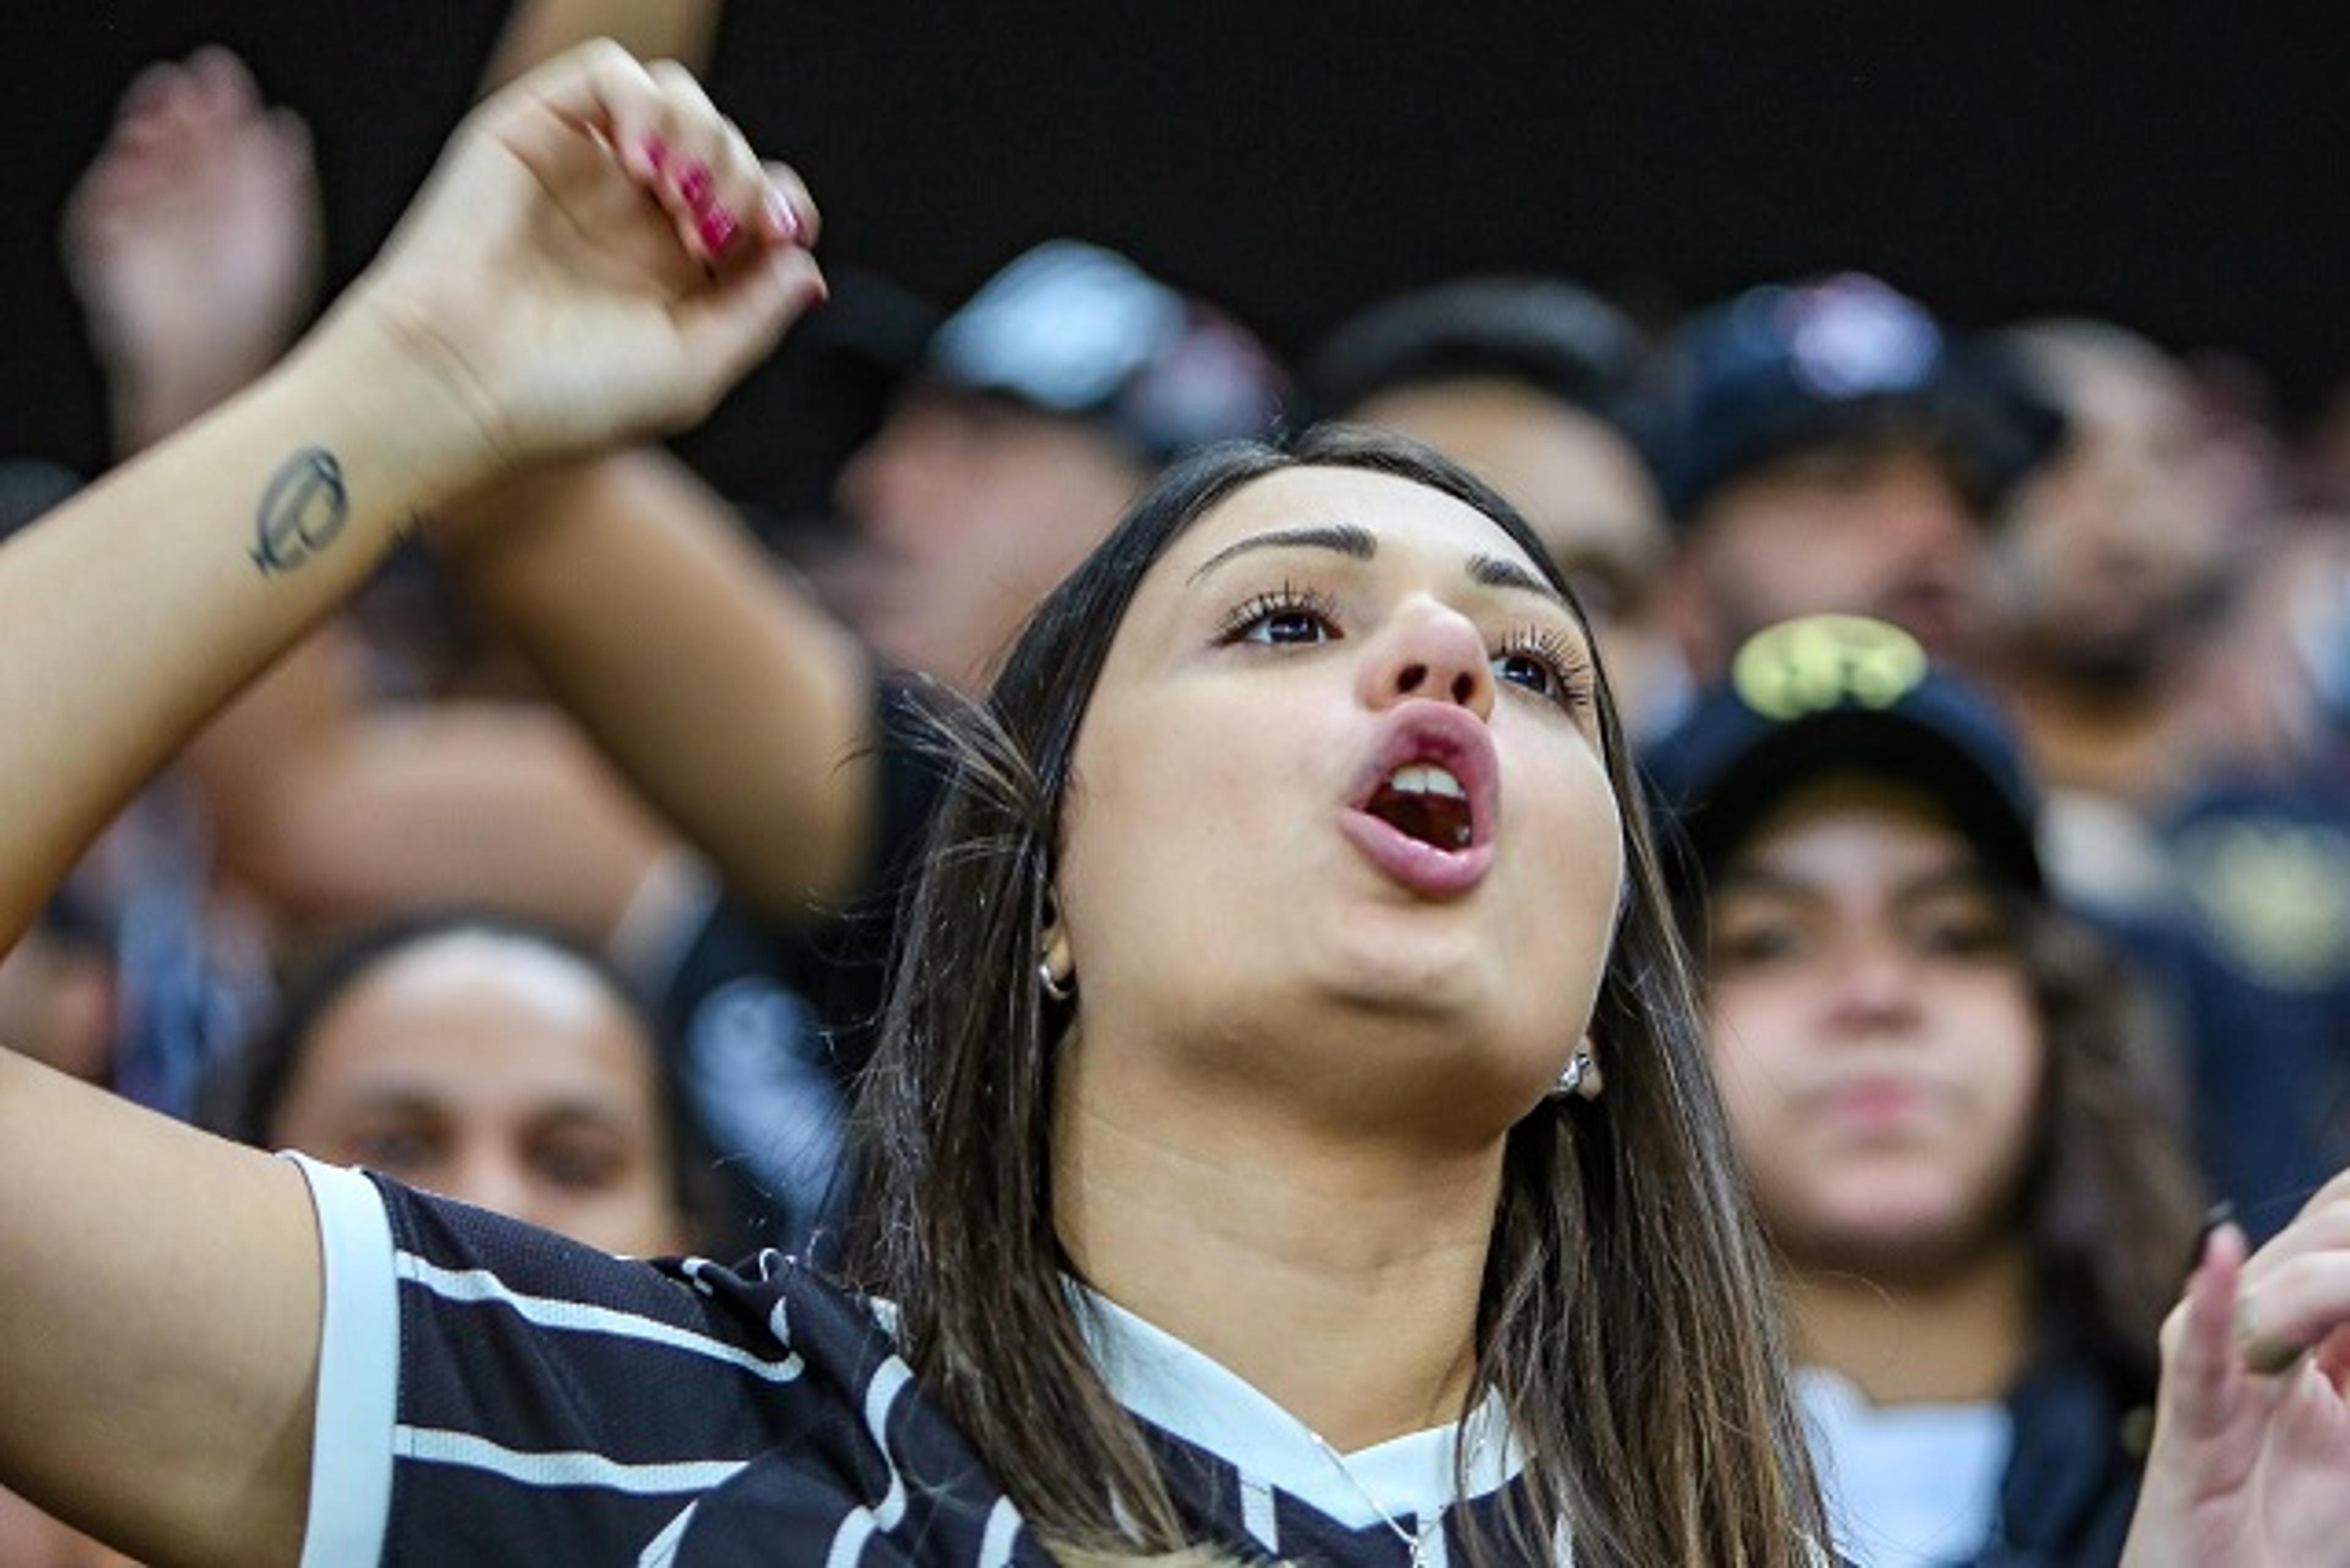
column 301, row 513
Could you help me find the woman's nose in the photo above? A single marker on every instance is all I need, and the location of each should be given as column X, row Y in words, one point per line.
column 1435, row 652
column 1876, row 986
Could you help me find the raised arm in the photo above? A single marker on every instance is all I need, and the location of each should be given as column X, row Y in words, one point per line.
column 629, row 583
column 729, row 697
column 159, row 1291
column 192, row 243
column 538, row 30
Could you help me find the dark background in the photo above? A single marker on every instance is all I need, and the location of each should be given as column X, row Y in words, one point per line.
column 2175, row 168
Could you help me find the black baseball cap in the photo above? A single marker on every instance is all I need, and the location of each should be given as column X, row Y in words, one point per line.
column 1789, row 366
column 1540, row 332
column 1079, row 330
column 1833, row 694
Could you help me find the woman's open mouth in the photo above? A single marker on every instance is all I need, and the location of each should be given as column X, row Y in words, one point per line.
column 1426, row 805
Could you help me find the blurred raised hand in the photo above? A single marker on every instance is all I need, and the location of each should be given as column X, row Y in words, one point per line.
column 193, row 242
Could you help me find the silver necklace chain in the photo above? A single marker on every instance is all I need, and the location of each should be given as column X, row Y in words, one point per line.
column 1417, row 1545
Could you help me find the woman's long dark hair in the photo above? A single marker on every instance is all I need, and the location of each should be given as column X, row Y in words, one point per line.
column 1630, row 1318
column 2110, row 1201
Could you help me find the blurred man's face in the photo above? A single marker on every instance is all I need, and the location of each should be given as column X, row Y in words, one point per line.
column 501, row 1072
column 1883, row 533
column 2114, row 552
column 1581, row 486
column 968, row 510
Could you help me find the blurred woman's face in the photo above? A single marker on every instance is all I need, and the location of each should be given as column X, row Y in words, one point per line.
column 1873, row 1033
column 1340, row 824
column 499, row 1072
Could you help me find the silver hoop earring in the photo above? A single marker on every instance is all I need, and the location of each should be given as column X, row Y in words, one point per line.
column 1059, row 989
column 1571, row 1079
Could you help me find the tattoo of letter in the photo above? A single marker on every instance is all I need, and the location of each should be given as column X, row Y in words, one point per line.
column 301, row 512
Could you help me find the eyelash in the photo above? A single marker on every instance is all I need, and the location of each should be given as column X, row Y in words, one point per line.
column 1568, row 666
column 1286, row 599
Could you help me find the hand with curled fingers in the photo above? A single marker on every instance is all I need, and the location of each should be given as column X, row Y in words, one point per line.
column 598, row 256
column 2251, row 1463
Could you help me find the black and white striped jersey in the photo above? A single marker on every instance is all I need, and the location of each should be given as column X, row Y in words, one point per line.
column 491, row 1393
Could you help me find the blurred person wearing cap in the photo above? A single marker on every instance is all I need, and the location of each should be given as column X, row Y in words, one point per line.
column 1035, row 413
column 2117, row 567
column 1950, row 1113
column 1530, row 383
column 1824, row 446
column 2191, row 808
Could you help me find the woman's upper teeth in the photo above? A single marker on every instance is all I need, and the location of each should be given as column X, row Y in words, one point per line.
column 1426, row 778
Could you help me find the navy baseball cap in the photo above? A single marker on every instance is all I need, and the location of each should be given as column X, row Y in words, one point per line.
column 1784, row 368
column 1838, row 694
column 1080, row 331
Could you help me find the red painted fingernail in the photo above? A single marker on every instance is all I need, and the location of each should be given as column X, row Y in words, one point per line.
column 718, row 229
column 786, row 218
column 656, row 153
column 694, row 185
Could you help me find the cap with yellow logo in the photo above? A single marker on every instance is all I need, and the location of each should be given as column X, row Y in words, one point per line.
column 1838, row 694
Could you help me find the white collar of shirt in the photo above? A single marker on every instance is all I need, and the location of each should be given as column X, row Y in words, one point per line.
column 1907, row 1484
column 1177, row 1389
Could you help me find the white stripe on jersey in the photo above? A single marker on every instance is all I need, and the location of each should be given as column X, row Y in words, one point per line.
column 849, row 1540
column 480, row 1285
column 1003, row 1527
column 434, row 1445
column 890, row 1380
column 662, row 1551
column 1257, row 1516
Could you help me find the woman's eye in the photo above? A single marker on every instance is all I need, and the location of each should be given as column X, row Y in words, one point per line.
column 1288, row 626
column 1541, row 662
column 1531, row 671
column 1964, row 938
column 1290, row 616
column 1747, row 946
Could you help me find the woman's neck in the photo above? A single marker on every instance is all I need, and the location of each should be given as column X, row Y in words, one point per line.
column 1958, row 1337
column 1339, row 1279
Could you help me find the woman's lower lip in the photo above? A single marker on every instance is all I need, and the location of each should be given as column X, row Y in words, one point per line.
column 1431, row 872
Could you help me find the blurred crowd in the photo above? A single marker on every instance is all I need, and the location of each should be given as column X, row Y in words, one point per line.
column 1997, row 688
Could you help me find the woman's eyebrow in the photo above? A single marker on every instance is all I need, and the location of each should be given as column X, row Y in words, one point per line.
column 1348, row 539
column 1495, row 572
